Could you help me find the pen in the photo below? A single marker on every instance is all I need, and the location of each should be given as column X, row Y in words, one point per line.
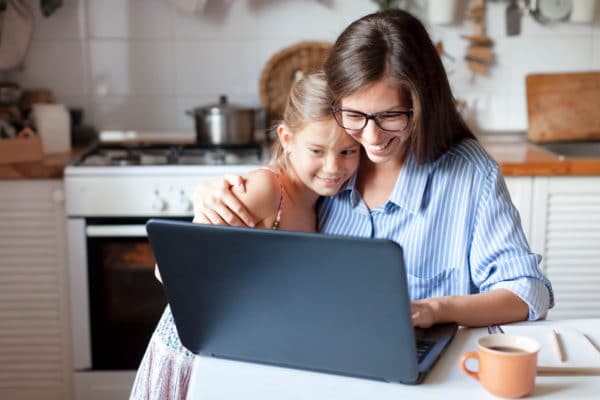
column 594, row 345
column 557, row 346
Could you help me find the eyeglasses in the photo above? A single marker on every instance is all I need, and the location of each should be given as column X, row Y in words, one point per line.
column 389, row 121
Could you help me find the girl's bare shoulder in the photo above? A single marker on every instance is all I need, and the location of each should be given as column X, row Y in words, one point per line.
column 263, row 193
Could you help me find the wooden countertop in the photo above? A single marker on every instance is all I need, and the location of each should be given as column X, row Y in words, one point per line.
column 51, row 167
column 521, row 158
column 516, row 158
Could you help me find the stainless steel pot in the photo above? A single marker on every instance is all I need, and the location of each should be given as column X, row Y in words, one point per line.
column 223, row 124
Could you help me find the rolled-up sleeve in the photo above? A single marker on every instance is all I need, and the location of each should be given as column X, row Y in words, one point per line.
column 500, row 256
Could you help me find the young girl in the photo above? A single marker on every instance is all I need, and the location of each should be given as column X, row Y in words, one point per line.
column 424, row 181
column 313, row 158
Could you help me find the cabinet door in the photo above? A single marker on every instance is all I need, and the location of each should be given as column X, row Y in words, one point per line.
column 520, row 188
column 566, row 230
column 34, row 325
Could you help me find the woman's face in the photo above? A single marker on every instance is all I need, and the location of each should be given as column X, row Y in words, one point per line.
column 382, row 96
column 322, row 155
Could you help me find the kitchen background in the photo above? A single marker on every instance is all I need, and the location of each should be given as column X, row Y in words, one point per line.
column 139, row 64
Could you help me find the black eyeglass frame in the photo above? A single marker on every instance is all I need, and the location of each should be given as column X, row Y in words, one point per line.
column 374, row 117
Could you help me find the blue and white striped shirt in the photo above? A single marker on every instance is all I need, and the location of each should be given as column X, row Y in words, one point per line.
column 460, row 232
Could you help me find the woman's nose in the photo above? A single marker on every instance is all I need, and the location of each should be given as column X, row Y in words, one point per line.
column 370, row 132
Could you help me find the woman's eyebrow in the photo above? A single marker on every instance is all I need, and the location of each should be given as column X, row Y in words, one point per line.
column 396, row 108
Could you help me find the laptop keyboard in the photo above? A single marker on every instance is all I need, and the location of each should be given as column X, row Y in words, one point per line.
column 423, row 348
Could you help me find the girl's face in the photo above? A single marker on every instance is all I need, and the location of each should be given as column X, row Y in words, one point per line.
column 322, row 155
column 382, row 96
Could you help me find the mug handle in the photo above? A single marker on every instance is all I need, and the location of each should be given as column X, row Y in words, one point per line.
column 463, row 362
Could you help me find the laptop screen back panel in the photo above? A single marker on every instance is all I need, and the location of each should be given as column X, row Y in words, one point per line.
column 329, row 304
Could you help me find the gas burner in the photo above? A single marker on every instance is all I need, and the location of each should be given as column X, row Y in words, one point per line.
column 170, row 155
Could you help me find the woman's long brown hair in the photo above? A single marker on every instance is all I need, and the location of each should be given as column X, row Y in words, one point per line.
column 395, row 45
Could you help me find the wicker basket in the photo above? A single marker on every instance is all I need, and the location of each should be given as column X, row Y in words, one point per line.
column 284, row 67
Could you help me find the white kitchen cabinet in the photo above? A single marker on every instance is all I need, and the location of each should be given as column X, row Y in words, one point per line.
column 520, row 188
column 565, row 229
column 35, row 361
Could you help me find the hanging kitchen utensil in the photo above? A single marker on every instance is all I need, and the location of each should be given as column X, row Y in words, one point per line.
column 550, row 11
column 479, row 54
column 16, row 28
column 513, row 18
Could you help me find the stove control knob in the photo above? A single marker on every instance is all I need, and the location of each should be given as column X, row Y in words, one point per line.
column 158, row 204
column 185, row 204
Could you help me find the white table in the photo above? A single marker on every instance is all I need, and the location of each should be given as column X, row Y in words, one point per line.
column 214, row 378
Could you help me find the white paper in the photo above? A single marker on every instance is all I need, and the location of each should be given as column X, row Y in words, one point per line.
column 579, row 352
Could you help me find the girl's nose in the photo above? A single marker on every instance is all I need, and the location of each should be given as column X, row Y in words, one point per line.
column 332, row 163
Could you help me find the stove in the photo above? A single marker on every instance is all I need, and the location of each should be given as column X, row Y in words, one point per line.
column 118, row 156
column 136, row 174
column 111, row 190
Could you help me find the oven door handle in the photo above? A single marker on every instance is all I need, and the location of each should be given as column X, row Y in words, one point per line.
column 116, row 231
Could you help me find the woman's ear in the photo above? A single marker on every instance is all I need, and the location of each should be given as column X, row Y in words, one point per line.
column 285, row 135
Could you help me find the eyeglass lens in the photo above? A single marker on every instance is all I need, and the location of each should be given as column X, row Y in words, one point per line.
column 393, row 121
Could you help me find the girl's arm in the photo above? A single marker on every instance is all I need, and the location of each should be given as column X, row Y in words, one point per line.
column 498, row 306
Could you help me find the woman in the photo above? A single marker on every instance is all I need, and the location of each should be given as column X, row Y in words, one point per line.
column 423, row 181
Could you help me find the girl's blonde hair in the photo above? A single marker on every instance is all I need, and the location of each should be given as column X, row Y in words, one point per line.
column 309, row 101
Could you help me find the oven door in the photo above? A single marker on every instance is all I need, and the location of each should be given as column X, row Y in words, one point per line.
column 116, row 299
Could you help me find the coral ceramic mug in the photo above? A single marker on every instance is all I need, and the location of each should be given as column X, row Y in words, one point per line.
column 507, row 364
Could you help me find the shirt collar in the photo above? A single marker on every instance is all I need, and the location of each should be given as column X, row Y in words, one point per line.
column 411, row 185
column 350, row 186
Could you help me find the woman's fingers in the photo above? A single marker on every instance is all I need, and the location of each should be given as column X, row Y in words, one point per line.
column 200, row 218
column 214, row 217
column 237, row 182
column 215, row 203
column 233, row 211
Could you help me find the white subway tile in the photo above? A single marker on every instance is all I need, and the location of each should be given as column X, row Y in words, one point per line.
column 539, row 55
column 133, row 67
column 219, row 20
column 133, row 112
column 129, row 19
column 596, row 51
column 212, row 68
column 353, row 10
column 516, row 113
column 58, row 66
column 299, row 20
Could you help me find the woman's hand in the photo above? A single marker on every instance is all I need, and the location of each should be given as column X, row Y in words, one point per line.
column 423, row 313
column 215, row 202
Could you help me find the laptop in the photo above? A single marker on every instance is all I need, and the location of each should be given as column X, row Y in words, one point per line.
column 301, row 300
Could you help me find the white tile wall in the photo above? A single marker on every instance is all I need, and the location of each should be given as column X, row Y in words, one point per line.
column 132, row 67
column 129, row 19
column 139, row 64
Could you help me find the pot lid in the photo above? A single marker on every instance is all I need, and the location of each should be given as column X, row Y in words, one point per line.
column 223, row 107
